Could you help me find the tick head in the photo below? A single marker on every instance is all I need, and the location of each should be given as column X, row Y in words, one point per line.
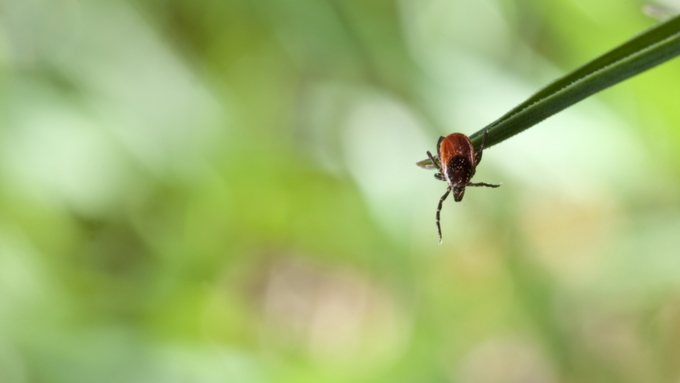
column 458, row 192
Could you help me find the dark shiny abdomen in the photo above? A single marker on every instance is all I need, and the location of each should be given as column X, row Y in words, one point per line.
column 459, row 170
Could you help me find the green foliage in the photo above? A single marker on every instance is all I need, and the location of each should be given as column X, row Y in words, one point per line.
column 221, row 191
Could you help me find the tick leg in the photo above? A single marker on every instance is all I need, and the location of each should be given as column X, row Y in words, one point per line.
column 440, row 177
column 484, row 184
column 478, row 155
column 434, row 160
column 439, row 143
column 439, row 209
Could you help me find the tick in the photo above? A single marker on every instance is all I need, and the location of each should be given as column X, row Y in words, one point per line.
column 456, row 162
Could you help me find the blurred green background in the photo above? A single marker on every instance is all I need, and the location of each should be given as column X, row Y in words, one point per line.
column 226, row 191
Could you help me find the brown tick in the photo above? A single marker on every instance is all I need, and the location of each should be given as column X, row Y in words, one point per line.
column 456, row 162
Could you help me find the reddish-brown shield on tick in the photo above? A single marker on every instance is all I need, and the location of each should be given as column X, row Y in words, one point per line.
column 456, row 162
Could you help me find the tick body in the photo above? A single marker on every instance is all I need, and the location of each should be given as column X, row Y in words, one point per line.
column 456, row 162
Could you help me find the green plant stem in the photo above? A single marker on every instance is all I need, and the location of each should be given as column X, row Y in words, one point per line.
column 645, row 51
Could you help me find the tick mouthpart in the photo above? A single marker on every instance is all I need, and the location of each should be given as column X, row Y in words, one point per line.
column 458, row 193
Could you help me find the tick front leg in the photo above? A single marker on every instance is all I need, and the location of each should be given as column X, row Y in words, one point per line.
column 434, row 160
column 439, row 209
column 440, row 177
column 484, row 184
column 478, row 155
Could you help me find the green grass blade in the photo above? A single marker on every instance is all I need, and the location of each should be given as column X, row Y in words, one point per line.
column 645, row 51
